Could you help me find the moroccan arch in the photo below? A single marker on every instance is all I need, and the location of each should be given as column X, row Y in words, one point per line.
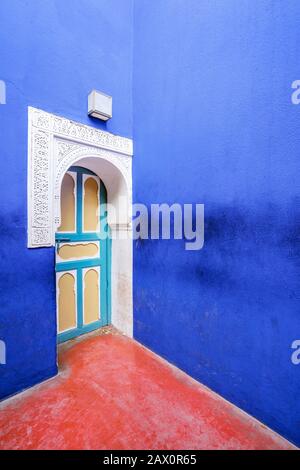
column 54, row 145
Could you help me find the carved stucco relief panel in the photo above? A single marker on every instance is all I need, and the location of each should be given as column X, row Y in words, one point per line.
column 54, row 144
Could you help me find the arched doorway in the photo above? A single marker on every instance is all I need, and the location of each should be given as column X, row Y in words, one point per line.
column 82, row 255
column 55, row 144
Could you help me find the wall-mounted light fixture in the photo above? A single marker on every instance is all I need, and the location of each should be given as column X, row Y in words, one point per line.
column 100, row 105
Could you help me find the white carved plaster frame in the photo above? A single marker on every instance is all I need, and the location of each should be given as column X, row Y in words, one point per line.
column 55, row 144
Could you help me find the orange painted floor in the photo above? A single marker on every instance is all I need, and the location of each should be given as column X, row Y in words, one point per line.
column 112, row 393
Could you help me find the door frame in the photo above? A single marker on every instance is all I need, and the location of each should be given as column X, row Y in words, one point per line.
column 55, row 144
column 102, row 261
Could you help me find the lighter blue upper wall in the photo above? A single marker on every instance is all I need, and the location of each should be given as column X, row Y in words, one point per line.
column 53, row 53
column 214, row 124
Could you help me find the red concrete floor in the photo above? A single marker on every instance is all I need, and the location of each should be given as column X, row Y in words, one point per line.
column 112, row 393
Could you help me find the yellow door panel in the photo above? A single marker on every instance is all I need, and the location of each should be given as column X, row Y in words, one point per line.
column 67, row 204
column 91, row 205
column 66, row 302
column 91, row 296
column 78, row 250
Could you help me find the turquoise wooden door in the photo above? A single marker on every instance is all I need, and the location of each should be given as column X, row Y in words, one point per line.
column 82, row 256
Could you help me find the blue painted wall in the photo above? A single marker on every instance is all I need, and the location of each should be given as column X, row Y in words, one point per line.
column 214, row 124
column 52, row 54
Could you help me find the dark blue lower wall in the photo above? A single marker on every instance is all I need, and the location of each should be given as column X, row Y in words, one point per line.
column 228, row 314
column 214, row 124
column 28, row 318
column 27, row 279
